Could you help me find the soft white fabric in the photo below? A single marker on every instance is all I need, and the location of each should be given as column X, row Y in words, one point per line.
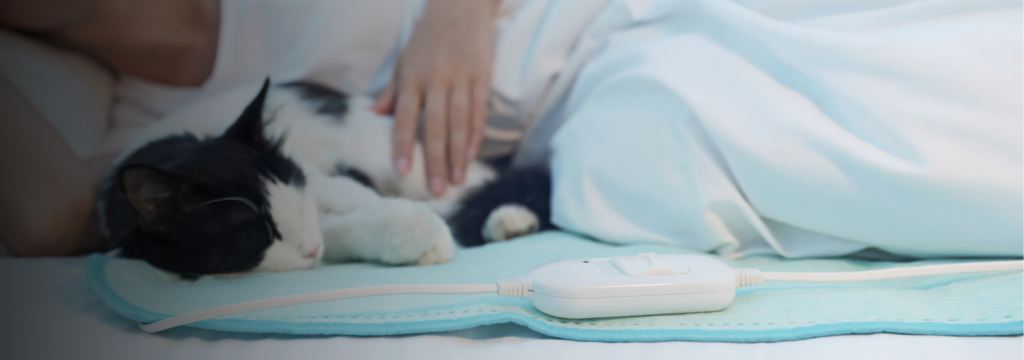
column 49, row 313
column 539, row 46
column 354, row 46
column 72, row 92
column 802, row 127
column 338, row 43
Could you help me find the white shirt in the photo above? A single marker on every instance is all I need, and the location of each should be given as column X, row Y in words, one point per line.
column 353, row 46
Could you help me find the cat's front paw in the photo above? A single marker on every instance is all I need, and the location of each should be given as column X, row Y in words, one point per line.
column 509, row 221
column 424, row 237
column 443, row 250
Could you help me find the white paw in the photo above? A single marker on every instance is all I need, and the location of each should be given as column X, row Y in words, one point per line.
column 419, row 237
column 509, row 221
column 443, row 250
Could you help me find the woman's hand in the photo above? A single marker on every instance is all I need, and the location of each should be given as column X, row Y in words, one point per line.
column 444, row 72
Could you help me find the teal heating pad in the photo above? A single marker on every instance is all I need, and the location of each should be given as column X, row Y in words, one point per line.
column 978, row 304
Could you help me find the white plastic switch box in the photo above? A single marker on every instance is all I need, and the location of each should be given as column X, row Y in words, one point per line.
column 647, row 284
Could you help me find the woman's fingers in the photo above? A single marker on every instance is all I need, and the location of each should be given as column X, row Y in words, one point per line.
column 458, row 131
column 407, row 115
column 477, row 115
column 435, row 137
column 449, row 59
column 452, row 129
column 385, row 103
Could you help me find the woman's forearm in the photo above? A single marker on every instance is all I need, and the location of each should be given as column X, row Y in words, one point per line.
column 46, row 193
column 173, row 42
column 46, row 15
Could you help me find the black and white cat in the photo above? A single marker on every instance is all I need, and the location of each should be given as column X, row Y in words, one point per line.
column 303, row 175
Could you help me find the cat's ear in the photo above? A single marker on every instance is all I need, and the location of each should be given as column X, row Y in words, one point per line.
column 150, row 193
column 248, row 128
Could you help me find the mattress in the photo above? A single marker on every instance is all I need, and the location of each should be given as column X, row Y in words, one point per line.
column 49, row 313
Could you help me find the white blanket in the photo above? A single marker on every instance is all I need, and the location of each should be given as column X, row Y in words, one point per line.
column 798, row 127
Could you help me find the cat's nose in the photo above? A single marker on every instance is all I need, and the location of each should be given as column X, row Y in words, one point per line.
column 312, row 254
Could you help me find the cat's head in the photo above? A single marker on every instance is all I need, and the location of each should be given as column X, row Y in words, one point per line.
column 227, row 204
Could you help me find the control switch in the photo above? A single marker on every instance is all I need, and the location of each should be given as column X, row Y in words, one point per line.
column 650, row 264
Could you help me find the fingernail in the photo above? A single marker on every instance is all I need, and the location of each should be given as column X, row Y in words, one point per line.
column 436, row 185
column 402, row 165
column 472, row 153
column 456, row 176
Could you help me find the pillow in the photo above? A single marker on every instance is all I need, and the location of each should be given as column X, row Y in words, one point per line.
column 71, row 91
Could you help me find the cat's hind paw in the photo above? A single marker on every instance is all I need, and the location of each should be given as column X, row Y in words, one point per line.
column 510, row 221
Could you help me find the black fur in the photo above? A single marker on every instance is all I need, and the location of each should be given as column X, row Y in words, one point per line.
column 530, row 187
column 328, row 101
column 154, row 201
column 501, row 164
column 355, row 174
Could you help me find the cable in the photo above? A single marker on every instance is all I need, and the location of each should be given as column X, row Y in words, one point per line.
column 750, row 277
column 316, row 297
column 583, row 272
column 895, row 273
column 518, row 287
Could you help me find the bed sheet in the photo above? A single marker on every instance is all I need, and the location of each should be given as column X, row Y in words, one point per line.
column 48, row 312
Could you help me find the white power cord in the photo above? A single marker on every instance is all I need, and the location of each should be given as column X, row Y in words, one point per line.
column 581, row 289
column 750, row 277
column 518, row 287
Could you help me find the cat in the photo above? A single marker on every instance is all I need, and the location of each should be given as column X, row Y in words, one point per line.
column 302, row 175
